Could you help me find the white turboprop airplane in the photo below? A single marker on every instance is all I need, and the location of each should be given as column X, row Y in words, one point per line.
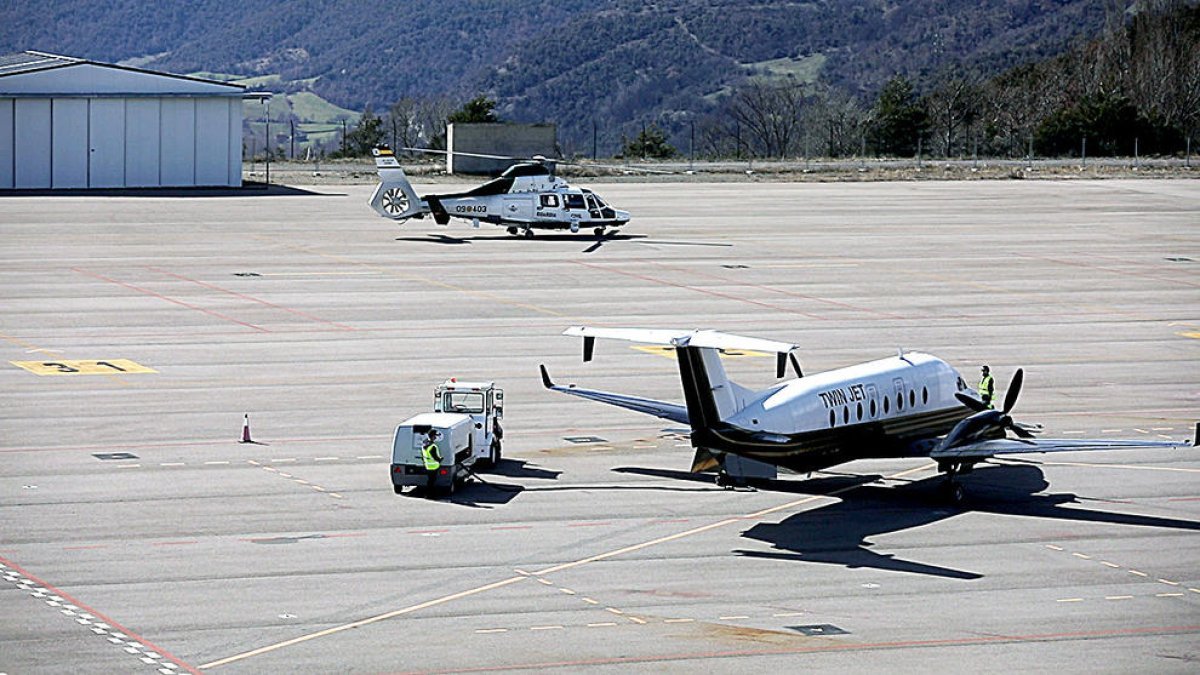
column 908, row 405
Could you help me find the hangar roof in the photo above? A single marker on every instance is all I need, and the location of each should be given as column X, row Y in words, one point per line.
column 40, row 74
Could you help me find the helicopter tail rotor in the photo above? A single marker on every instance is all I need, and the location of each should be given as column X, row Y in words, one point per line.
column 394, row 197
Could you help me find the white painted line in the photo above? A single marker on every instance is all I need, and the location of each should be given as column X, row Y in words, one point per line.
column 1162, row 428
column 492, row 630
column 605, row 623
column 271, row 469
column 1106, row 563
column 1053, row 547
column 129, row 466
column 1168, row 582
column 643, row 447
column 545, row 628
column 788, row 614
column 369, row 457
column 318, row 488
column 1080, row 555
column 300, row 481
column 614, row 610
column 286, row 459
column 216, row 462
column 543, row 581
column 1169, row 595
column 1140, row 574
column 678, row 620
column 335, row 495
column 1141, row 431
column 636, row 619
column 326, row 459
column 731, row 618
column 132, row 650
column 567, row 591
column 1110, row 431
column 172, row 464
column 147, row 659
column 1070, row 600
column 590, row 601
column 1163, row 436
column 285, row 475
column 1118, row 597
column 1072, row 433
column 683, row 445
column 1194, row 590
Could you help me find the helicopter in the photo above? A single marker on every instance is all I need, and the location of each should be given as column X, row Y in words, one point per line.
column 527, row 196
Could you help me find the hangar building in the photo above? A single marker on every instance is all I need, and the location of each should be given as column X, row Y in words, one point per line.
column 73, row 123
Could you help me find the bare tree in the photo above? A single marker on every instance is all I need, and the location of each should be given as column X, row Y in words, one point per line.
column 768, row 117
column 954, row 106
column 837, row 121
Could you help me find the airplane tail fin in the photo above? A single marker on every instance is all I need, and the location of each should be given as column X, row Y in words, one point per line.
column 394, row 197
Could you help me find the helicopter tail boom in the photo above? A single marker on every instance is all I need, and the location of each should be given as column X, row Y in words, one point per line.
column 394, row 197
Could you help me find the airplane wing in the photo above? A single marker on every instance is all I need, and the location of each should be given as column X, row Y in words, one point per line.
column 990, row 448
column 710, row 339
column 664, row 409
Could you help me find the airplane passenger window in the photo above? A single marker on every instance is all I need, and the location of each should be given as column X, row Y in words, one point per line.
column 924, row 395
column 912, row 398
column 872, row 407
column 885, row 405
column 860, row 411
column 846, row 415
column 832, row 419
column 899, row 401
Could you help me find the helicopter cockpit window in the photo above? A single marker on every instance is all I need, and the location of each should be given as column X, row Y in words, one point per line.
column 463, row 402
column 591, row 201
column 573, row 201
column 549, row 201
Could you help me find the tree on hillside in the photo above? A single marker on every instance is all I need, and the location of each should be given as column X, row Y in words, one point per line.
column 365, row 136
column 953, row 107
column 898, row 120
column 767, row 117
column 479, row 110
column 651, row 143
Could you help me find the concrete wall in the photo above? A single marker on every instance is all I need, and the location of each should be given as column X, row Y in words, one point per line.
column 510, row 140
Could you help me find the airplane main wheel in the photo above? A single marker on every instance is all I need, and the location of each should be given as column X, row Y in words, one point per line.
column 529, row 234
column 954, row 491
column 512, row 231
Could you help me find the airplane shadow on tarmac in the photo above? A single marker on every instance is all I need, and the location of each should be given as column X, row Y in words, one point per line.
column 837, row 534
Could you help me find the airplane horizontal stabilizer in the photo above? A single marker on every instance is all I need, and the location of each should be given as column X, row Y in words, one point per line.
column 664, row 409
column 684, row 338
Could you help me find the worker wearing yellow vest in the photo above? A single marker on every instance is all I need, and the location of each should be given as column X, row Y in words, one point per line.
column 987, row 387
column 432, row 457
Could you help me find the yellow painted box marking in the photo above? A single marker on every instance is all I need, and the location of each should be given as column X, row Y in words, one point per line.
column 84, row 367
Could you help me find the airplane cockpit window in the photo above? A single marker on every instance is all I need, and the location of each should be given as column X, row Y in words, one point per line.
column 463, row 402
column 573, row 201
column 549, row 201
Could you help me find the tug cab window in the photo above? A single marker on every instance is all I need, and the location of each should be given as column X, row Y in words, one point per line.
column 572, row 201
column 463, row 402
column 549, row 201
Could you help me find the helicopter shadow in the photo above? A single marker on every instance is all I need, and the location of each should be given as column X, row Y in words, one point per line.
column 838, row 534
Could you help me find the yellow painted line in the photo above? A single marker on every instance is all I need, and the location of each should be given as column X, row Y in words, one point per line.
column 678, row 620
column 362, row 622
column 1070, row 600
column 318, row 488
column 1140, row 574
column 1118, row 597
column 1194, row 590
column 614, row 610
column 636, row 620
column 511, row 580
column 544, row 581
column 84, row 367
column 1105, row 562
column 1168, row 582
column 567, row 591
column 335, row 495
column 1194, row 336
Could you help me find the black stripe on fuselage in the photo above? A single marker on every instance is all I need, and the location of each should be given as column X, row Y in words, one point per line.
column 819, row 449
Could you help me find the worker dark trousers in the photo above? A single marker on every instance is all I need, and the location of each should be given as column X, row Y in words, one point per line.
column 432, row 473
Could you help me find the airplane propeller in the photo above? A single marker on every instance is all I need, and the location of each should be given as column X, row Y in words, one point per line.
column 1002, row 418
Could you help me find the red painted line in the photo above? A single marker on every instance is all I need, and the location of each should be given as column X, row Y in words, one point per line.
column 736, row 282
column 828, row 648
column 184, row 444
column 108, row 620
column 174, row 543
column 588, row 524
column 345, row 534
column 1184, row 499
column 716, row 294
column 1111, row 270
column 181, row 303
column 251, row 298
column 84, row 548
column 513, row 527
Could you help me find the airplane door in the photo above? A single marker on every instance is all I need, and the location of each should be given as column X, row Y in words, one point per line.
column 518, row 208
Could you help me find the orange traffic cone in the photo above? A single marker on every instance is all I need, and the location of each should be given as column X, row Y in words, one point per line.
column 246, row 430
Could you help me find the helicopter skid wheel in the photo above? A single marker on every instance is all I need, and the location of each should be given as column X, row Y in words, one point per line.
column 512, row 231
column 599, row 231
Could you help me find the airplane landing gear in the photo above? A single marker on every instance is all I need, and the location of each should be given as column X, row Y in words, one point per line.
column 953, row 489
column 729, row 482
column 512, row 231
column 528, row 233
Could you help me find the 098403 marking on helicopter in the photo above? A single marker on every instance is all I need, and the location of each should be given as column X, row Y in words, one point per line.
column 84, row 367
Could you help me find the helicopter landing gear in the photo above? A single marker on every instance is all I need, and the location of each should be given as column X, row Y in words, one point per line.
column 599, row 231
column 512, row 231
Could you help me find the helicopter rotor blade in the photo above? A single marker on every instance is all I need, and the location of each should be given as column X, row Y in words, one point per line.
column 543, row 159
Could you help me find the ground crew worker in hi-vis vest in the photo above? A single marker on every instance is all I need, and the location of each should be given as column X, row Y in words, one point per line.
column 433, row 460
column 987, row 387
